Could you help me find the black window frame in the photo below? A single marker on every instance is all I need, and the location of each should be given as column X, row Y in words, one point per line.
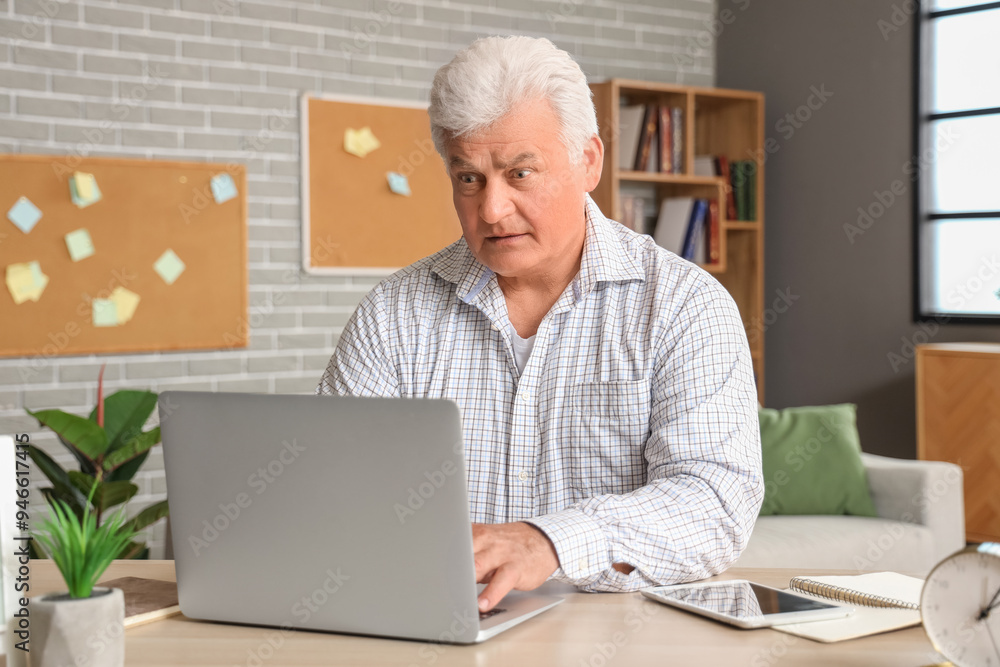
column 922, row 72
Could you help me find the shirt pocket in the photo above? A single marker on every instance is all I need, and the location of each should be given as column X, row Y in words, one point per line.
column 608, row 431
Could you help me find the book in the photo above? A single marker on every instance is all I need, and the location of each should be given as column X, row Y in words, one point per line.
column 882, row 601
column 633, row 213
column 704, row 165
column 647, row 136
column 722, row 168
column 750, row 169
column 146, row 600
column 677, row 139
column 666, row 137
column 629, row 127
column 714, row 233
column 672, row 223
column 739, row 178
column 694, row 231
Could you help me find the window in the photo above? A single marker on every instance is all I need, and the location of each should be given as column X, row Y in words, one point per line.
column 958, row 139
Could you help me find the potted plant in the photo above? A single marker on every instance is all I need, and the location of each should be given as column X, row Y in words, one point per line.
column 83, row 625
column 110, row 446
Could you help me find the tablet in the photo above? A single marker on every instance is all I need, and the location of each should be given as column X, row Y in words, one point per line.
column 746, row 604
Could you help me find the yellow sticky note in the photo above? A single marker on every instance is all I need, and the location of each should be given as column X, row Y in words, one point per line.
column 79, row 244
column 83, row 189
column 360, row 142
column 25, row 281
column 105, row 314
column 125, row 302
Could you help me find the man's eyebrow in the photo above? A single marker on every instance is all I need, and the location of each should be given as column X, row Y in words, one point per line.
column 521, row 158
column 461, row 163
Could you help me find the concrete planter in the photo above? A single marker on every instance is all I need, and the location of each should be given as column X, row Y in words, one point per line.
column 88, row 631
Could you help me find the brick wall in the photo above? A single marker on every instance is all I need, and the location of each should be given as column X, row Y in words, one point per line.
column 207, row 80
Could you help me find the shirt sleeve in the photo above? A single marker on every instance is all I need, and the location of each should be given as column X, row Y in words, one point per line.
column 705, row 487
column 361, row 364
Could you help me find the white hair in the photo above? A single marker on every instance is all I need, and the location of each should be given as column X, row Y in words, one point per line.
column 487, row 79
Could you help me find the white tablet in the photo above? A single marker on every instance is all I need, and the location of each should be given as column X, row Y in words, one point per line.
column 746, row 604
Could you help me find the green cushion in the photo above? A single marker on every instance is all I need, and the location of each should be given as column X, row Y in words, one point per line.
column 812, row 462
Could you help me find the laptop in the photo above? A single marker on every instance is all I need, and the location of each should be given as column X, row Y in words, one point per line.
column 329, row 513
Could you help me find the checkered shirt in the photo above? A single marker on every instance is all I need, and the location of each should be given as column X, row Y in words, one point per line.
column 631, row 435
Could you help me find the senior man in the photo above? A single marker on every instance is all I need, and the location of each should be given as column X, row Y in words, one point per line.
column 606, row 389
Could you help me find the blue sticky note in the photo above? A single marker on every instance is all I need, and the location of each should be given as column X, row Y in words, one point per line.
column 24, row 214
column 223, row 188
column 398, row 183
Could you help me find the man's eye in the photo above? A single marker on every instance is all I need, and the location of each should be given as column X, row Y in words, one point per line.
column 522, row 173
column 467, row 178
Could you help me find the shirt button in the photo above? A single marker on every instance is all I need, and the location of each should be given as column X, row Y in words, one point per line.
column 582, row 565
column 523, row 476
column 526, row 396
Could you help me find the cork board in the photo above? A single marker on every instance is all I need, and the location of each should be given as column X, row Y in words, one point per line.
column 146, row 207
column 352, row 222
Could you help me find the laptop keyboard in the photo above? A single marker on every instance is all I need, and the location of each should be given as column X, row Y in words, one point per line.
column 483, row 615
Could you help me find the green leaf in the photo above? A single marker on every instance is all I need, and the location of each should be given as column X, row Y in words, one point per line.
column 133, row 448
column 59, row 478
column 132, row 550
column 86, row 465
column 125, row 413
column 127, row 470
column 84, row 435
column 148, row 516
column 108, row 494
column 52, row 495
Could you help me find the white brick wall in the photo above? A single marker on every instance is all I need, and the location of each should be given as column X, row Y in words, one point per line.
column 200, row 79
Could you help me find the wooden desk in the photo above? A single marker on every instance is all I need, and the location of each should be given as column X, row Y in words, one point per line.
column 628, row 628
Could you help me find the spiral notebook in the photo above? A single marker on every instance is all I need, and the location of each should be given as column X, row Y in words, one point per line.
column 882, row 601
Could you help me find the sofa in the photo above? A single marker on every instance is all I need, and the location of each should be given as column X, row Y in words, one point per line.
column 921, row 519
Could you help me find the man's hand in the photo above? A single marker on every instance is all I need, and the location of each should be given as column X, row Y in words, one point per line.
column 510, row 556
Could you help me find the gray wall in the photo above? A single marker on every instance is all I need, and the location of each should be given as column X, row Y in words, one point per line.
column 231, row 71
column 848, row 334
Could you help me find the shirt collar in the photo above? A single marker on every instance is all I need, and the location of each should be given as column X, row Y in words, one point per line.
column 605, row 259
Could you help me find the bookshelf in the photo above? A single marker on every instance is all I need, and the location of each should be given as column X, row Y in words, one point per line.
column 715, row 122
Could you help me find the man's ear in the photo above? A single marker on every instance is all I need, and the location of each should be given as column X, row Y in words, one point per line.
column 593, row 162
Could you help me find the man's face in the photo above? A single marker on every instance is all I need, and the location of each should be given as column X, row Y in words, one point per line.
column 519, row 198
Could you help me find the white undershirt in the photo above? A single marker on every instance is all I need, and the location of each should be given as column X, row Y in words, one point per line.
column 522, row 348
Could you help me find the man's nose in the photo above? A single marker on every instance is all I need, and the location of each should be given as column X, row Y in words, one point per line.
column 496, row 203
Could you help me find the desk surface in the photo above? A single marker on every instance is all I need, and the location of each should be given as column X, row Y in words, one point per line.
column 588, row 630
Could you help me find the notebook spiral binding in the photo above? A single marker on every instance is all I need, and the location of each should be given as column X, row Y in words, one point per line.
column 841, row 594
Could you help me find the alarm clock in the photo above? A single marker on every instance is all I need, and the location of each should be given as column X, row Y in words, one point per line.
column 960, row 606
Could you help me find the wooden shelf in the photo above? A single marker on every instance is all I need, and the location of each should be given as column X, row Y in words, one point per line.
column 716, row 122
column 749, row 225
column 653, row 177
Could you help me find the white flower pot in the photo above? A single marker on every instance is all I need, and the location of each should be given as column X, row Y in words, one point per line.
column 86, row 631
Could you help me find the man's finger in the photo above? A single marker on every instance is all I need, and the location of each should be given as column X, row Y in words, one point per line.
column 502, row 582
column 486, row 562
